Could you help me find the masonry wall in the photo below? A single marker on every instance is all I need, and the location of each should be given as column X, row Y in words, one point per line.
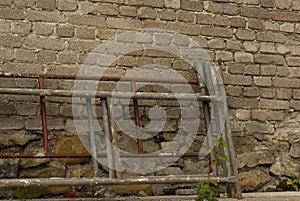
column 257, row 43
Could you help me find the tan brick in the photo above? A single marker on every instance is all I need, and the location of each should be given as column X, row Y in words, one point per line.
column 233, row 91
column 243, row 103
column 268, row 48
column 268, row 3
column 236, row 68
column 85, row 32
column 283, row 49
column 6, row 54
column 256, row 24
column 82, row 45
column 191, row 5
column 134, row 2
column 172, row 3
column 286, row 82
column 109, row 9
column 241, row 114
column 9, row 123
column 204, row 18
column 156, row 4
column 283, row 93
column 88, row 8
column 296, row 94
column 274, row 26
column 25, row 3
column 275, row 115
column 128, row 11
column 286, row 16
column 185, row 16
column 267, row 93
column 154, row 24
column 46, row 56
column 252, row 69
column 268, row 70
column 251, row 92
column 146, row 12
column 43, row 29
column 87, row 20
column 256, row 12
column 234, row 45
column 4, row 26
column 296, row 5
column 12, row 14
column 123, row 23
column 224, row 56
column 221, row 8
column 260, row 115
column 21, row 28
column 67, row 5
column 244, row 34
column 251, row 46
column 269, row 59
column 283, row 71
column 47, row 4
column 287, row 27
column 184, row 28
column 237, row 22
column 67, row 57
column 216, row 31
column 65, row 30
column 221, row 21
column 283, row 4
column 10, row 41
column 293, row 61
column 45, row 43
column 25, row 55
column 237, row 80
column 45, row 16
column 6, row 2
column 274, row 104
column 243, row 57
column 216, row 43
column 257, row 127
column 295, row 104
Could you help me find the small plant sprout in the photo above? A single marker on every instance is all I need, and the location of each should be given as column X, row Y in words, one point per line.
column 294, row 181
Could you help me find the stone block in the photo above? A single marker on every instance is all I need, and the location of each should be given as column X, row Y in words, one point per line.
column 255, row 12
column 286, row 16
column 184, row 28
column 286, row 82
column 244, row 34
column 216, row 31
column 256, row 24
column 237, row 22
column 146, row 12
column 267, row 93
column 251, row 46
column 49, row 5
column 108, row 9
column 293, row 61
column 67, row 57
column 262, row 81
column 243, row 57
column 295, row 149
column 43, row 29
column 253, row 179
column 233, row 91
column 295, row 104
column 85, row 32
column 243, row 103
column 46, row 56
column 224, row 56
column 172, row 4
column 252, row 69
column 11, row 123
column 221, row 8
column 10, row 41
column 236, row 68
column 284, row 93
column 67, row 5
column 250, row 92
column 21, row 28
column 283, row 4
column 252, row 159
column 216, row 43
column 268, row 69
column 25, row 55
column 6, row 54
column 12, row 14
column 6, row 2
column 269, row 59
column 87, row 20
column 123, row 23
column 234, row 45
column 26, row 109
column 295, row 5
column 296, row 94
column 268, row 48
column 202, row 18
column 24, row 3
column 242, row 114
column 65, row 30
column 7, row 109
column 268, row 3
column 45, row 43
column 128, row 11
column 274, row 104
column 260, row 115
column 191, row 5
column 9, row 168
column 45, row 16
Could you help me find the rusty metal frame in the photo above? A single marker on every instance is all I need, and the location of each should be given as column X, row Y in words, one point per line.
column 104, row 96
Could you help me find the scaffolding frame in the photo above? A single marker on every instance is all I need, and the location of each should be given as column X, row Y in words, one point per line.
column 114, row 177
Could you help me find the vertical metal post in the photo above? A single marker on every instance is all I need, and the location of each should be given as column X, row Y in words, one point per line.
column 43, row 116
column 92, row 135
column 108, row 139
column 137, row 120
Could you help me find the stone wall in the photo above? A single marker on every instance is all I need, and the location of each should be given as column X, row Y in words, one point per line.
column 257, row 43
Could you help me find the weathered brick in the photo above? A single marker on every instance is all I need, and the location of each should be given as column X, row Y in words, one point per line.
column 293, row 61
column 274, row 104
column 67, row 5
column 283, row 4
column 45, row 43
column 43, row 29
column 296, row 94
column 10, row 41
column 252, row 69
column 283, row 71
column 4, row 26
column 221, row 21
column 6, row 2
column 295, row 104
column 237, row 79
column 184, row 27
column 46, row 56
column 246, row 103
column 12, row 13
column 257, row 127
column 256, row 24
column 204, row 18
column 216, row 43
column 233, row 45
column 275, row 115
column 268, row 3
column 233, row 91
column 243, row 57
column 268, row 70
column 87, row 20
column 250, row 92
column 267, row 93
column 21, row 28
column 82, row 45
column 286, row 16
column 65, row 30
column 172, row 3
column 25, row 3
column 286, row 82
column 236, row 68
column 123, row 23
column 191, row 5
column 6, row 54
column 221, row 8
column 237, row 22
column 7, row 108
column 67, row 57
column 260, row 115
column 146, row 12
column 256, row 12
column 295, row 5
column 283, row 49
column 85, row 32
column 269, row 59
column 109, row 9
column 251, row 46
column 185, row 16
column 134, row 2
column 268, row 48
column 11, row 123
column 224, row 56
column 216, row 31
column 283, row 93
column 45, row 16
column 274, row 26
column 242, row 114
column 128, row 11
column 27, row 109
column 88, row 8
column 287, row 27
column 25, row 55
column 244, row 34
column 46, row 4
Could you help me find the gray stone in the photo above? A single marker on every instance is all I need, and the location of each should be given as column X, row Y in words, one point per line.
column 9, row 168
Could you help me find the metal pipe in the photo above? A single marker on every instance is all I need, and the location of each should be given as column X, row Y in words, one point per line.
column 43, row 116
column 47, row 182
column 105, row 94
column 137, row 119
column 108, row 139
column 92, row 135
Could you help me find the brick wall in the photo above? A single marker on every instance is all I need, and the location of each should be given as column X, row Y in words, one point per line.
column 256, row 41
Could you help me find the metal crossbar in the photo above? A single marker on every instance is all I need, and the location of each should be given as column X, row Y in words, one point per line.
column 112, row 155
